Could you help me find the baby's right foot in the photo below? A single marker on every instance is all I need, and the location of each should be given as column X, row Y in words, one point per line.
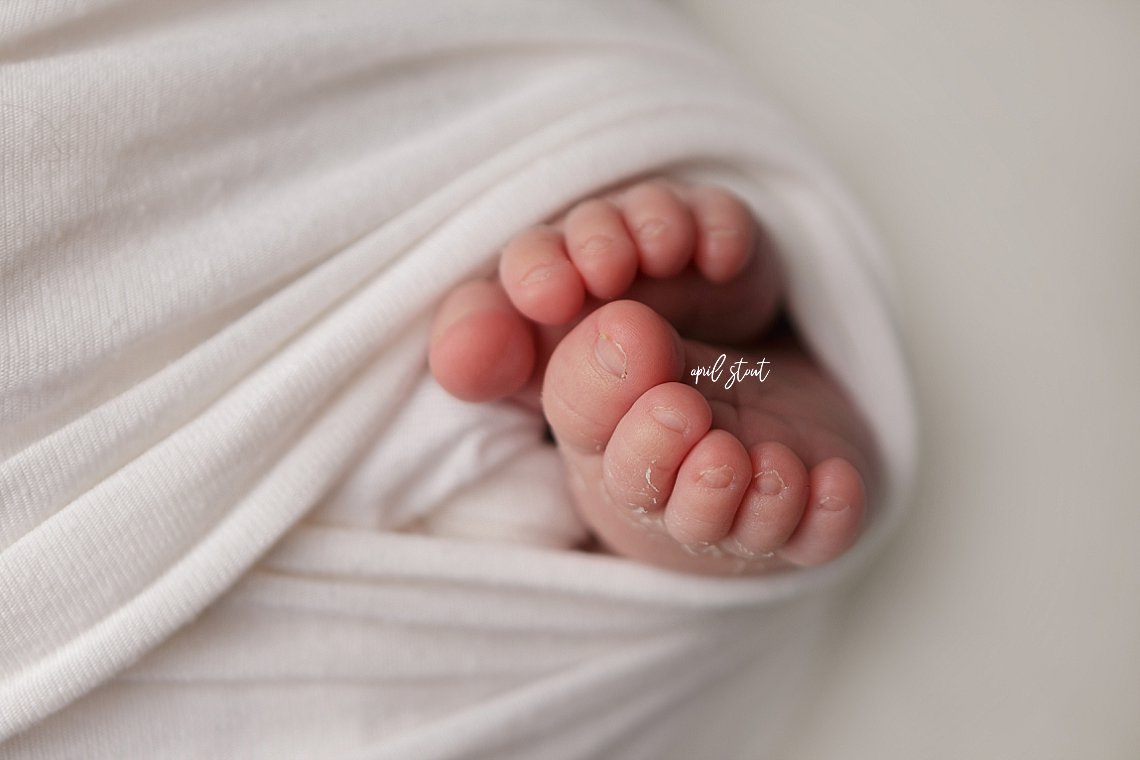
column 701, row 478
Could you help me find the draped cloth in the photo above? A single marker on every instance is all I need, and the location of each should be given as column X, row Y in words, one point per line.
column 237, row 517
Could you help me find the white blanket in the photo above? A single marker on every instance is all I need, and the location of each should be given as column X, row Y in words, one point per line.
column 237, row 518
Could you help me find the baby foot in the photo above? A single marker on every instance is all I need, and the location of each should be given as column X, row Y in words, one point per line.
column 706, row 478
column 695, row 256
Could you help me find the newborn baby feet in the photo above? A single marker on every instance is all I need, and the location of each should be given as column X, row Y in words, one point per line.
column 671, row 461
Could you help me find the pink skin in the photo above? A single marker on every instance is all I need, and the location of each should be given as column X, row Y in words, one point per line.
column 698, row 478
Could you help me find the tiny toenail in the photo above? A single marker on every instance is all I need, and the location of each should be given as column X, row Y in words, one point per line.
column 611, row 355
column 540, row 273
column 650, row 229
column 717, row 477
column 770, row 483
column 596, row 244
column 670, row 418
column 832, row 504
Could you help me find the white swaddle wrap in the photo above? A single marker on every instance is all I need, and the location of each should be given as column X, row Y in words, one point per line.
column 235, row 512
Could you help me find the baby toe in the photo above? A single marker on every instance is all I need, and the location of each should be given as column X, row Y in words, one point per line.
column 708, row 490
column 662, row 227
column 649, row 444
column 774, row 503
column 539, row 278
column 481, row 348
column 726, row 233
column 600, row 247
column 600, row 369
column 833, row 518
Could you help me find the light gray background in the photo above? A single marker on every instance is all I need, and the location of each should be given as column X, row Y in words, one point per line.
column 997, row 147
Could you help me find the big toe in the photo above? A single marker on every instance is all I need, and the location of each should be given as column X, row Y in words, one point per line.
column 481, row 348
column 602, row 367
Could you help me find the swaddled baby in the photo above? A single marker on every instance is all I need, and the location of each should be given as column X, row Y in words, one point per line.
column 235, row 508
